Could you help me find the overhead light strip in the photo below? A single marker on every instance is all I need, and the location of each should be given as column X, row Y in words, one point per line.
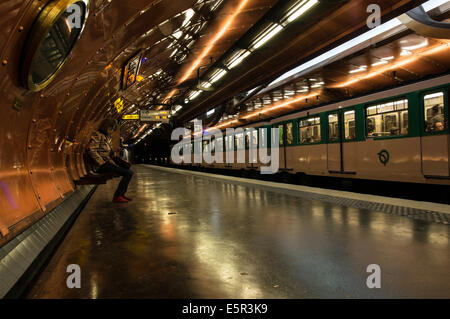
column 211, row 44
column 353, row 45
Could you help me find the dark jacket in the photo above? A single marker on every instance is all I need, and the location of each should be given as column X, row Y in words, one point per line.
column 100, row 149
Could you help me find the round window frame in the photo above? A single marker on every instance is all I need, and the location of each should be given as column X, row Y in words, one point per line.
column 45, row 21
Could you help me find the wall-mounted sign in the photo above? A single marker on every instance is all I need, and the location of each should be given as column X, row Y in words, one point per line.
column 130, row 71
column 154, row 116
column 130, row 117
column 118, row 104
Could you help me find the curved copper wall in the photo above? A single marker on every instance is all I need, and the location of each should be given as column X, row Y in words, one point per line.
column 43, row 135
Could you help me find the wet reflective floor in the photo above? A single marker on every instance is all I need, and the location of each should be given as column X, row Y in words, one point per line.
column 192, row 237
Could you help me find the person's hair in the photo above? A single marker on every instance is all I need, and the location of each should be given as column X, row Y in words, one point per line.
column 435, row 108
column 106, row 124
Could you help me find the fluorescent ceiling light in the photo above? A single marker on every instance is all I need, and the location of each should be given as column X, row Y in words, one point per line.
column 189, row 14
column 360, row 69
column 217, row 4
column 430, row 5
column 252, row 90
column 417, row 46
column 210, row 112
column 178, row 34
column 405, row 52
column 355, row 44
column 379, row 63
column 298, row 9
column 266, row 35
column 206, row 85
column 177, row 108
column 237, row 58
column 217, row 75
column 194, row 94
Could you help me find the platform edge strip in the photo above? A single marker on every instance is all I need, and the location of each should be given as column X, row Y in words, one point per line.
column 437, row 213
column 22, row 257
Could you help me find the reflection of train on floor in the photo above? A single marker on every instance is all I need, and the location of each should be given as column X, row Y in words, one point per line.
column 401, row 134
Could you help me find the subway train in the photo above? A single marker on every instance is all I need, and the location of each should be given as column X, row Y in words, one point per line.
column 400, row 134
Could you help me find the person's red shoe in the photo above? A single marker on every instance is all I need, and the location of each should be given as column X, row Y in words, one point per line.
column 127, row 198
column 120, row 199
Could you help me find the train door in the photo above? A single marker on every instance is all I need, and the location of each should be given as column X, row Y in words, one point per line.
column 334, row 143
column 435, row 140
column 251, row 146
column 282, row 141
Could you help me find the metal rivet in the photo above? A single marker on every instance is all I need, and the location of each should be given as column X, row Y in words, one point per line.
column 20, row 28
column 5, row 62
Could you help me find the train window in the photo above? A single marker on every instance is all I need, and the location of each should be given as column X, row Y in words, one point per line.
column 333, row 127
column 434, row 112
column 229, row 143
column 387, row 119
column 240, row 141
column 350, row 125
column 289, row 134
column 281, row 134
column 219, row 144
column 52, row 38
column 309, row 130
column 251, row 138
column 255, row 138
column 263, row 136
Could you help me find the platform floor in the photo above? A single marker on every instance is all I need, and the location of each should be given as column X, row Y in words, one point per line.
column 187, row 236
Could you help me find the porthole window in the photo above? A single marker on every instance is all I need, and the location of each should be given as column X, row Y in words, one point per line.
column 51, row 39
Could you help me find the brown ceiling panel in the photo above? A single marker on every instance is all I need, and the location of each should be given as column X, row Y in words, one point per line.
column 332, row 23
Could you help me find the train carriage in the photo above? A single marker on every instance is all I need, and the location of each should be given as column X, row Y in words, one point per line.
column 401, row 134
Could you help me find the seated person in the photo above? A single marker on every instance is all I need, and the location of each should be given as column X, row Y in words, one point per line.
column 370, row 129
column 438, row 126
column 394, row 130
column 351, row 136
column 100, row 150
column 436, row 115
column 404, row 130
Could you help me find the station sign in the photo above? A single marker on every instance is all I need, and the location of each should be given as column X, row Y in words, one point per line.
column 118, row 104
column 131, row 117
column 154, row 116
column 130, row 71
